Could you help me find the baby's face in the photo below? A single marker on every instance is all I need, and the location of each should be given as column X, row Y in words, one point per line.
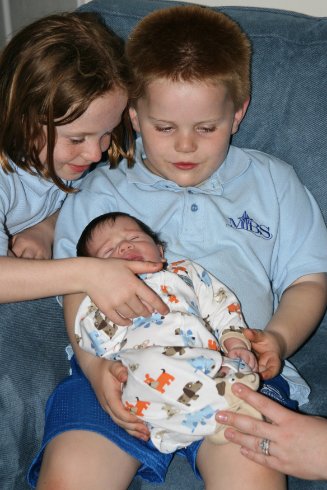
column 123, row 239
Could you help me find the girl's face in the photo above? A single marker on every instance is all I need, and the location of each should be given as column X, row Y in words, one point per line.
column 82, row 142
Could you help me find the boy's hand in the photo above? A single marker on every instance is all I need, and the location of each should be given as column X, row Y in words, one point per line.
column 35, row 242
column 267, row 349
column 246, row 355
column 106, row 378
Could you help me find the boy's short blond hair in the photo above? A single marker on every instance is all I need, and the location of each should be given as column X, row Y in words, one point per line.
column 193, row 44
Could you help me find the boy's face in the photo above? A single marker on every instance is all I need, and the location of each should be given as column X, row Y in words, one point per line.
column 123, row 239
column 186, row 128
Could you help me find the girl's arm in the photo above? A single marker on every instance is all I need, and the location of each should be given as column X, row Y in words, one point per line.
column 26, row 279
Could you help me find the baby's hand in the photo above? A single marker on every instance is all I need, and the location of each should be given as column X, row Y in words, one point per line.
column 106, row 378
column 267, row 350
column 246, row 355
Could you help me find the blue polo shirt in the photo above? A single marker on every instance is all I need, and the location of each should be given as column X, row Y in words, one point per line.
column 252, row 224
column 25, row 200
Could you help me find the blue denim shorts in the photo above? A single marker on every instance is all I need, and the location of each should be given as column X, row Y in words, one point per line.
column 74, row 406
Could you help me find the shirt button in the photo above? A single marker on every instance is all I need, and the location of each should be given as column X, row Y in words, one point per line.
column 194, row 207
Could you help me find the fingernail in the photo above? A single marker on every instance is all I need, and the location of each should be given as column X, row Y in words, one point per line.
column 221, row 417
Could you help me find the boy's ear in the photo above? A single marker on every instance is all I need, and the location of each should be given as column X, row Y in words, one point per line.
column 134, row 119
column 238, row 116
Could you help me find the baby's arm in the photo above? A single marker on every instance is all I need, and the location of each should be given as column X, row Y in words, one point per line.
column 35, row 242
column 301, row 307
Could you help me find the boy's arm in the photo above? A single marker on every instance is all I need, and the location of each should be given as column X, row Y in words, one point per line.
column 105, row 376
column 301, row 307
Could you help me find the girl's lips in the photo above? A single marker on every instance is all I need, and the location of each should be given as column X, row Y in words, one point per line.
column 185, row 165
column 79, row 169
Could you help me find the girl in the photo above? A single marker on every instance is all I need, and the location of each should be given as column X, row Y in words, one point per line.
column 63, row 93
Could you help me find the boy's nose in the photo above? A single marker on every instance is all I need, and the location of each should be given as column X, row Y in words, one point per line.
column 185, row 143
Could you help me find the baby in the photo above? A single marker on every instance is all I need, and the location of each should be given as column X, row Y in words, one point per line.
column 180, row 366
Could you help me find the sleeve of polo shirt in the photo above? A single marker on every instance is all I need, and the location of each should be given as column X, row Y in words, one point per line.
column 77, row 211
column 301, row 245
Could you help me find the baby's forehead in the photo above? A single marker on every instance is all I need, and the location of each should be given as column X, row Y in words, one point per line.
column 119, row 223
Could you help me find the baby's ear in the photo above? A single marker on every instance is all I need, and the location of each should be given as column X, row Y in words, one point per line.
column 162, row 252
column 134, row 119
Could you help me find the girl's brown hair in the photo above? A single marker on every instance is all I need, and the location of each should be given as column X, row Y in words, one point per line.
column 50, row 72
column 192, row 44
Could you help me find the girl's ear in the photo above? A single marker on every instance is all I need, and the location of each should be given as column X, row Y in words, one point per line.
column 134, row 119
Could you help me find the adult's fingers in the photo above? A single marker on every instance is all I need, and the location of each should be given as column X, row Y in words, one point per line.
column 269, row 408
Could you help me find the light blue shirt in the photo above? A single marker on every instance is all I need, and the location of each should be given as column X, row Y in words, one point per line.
column 25, row 200
column 252, row 224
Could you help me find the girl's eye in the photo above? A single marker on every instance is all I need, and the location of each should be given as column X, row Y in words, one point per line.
column 77, row 141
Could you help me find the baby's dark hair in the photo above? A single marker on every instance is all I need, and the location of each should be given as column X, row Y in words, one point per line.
column 87, row 234
column 50, row 72
column 190, row 43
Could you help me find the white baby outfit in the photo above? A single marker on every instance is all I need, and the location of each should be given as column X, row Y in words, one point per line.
column 172, row 360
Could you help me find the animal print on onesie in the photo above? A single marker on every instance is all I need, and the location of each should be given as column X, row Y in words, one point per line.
column 174, row 362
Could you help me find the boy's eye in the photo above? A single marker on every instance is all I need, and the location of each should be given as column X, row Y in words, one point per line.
column 163, row 129
column 206, row 129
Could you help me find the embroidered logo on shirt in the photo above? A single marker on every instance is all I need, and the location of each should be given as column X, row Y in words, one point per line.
column 246, row 223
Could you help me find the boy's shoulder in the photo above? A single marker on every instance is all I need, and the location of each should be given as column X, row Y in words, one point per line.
column 243, row 160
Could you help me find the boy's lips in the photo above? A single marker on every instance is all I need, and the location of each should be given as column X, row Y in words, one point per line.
column 185, row 165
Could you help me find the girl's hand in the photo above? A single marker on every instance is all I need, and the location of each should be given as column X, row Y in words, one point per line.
column 266, row 347
column 114, row 287
column 106, row 378
column 298, row 443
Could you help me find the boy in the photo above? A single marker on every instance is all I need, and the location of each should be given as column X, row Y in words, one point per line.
column 241, row 214
column 180, row 349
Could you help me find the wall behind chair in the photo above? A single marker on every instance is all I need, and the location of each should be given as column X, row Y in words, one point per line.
column 16, row 13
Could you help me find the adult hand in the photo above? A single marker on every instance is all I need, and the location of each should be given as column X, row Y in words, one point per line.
column 266, row 347
column 114, row 287
column 298, row 443
column 106, row 378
